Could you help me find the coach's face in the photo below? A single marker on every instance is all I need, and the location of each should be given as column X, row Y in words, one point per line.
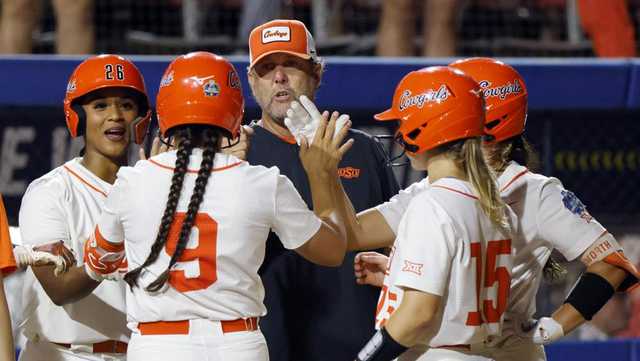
column 279, row 78
column 109, row 114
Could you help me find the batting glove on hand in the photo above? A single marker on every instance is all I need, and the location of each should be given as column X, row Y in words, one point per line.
column 117, row 275
column 44, row 255
column 303, row 119
column 100, row 264
column 546, row 331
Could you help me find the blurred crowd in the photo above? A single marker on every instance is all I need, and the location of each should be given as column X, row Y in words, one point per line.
column 433, row 28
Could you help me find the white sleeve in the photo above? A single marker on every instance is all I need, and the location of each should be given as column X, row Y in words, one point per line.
column 425, row 249
column 393, row 209
column 109, row 225
column 564, row 222
column 293, row 222
column 42, row 217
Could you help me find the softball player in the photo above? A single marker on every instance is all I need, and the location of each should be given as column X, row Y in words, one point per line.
column 448, row 278
column 195, row 291
column 106, row 103
column 549, row 217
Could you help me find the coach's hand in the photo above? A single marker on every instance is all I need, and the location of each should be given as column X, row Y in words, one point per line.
column 322, row 156
column 239, row 147
column 369, row 268
column 303, row 120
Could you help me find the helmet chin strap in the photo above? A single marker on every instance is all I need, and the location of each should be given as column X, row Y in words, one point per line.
column 132, row 129
column 392, row 161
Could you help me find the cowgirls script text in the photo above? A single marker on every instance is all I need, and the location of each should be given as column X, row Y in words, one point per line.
column 500, row 91
column 406, row 100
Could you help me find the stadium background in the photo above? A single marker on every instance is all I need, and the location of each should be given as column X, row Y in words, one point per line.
column 583, row 111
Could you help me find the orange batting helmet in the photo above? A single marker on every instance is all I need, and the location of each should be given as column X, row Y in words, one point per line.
column 505, row 95
column 200, row 88
column 435, row 105
column 106, row 71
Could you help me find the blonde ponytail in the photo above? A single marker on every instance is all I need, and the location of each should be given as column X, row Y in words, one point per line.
column 484, row 181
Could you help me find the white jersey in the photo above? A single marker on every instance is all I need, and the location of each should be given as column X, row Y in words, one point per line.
column 217, row 276
column 448, row 247
column 549, row 217
column 65, row 204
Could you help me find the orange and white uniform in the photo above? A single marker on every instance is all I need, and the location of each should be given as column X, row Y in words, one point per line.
column 65, row 204
column 549, row 217
column 447, row 246
column 7, row 262
column 215, row 283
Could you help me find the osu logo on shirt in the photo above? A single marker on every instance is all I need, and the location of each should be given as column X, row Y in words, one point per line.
column 349, row 172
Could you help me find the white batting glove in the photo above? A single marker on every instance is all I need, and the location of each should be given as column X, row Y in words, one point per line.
column 303, row 119
column 27, row 256
column 546, row 331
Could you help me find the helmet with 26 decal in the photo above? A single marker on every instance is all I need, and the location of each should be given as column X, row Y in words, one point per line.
column 435, row 106
column 200, row 88
column 505, row 95
column 106, row 71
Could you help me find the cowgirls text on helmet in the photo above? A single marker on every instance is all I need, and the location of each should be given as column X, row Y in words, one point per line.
column 435, row 106
column 100, row 72
column 200, row 88
column 505, row 95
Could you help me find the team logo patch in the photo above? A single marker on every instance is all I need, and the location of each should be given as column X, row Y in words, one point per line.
column 276, row 33
column 574, row 205
column 233, row 80
column 211, row 88
column 166, row 80
column 348, row 172
column 71, row 87
column 412, row 267
column 500, row 91
column 429, row 96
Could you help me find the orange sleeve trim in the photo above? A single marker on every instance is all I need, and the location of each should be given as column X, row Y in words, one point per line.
column 7, row 261
column 514, row 179
column 84, row 181
column 106, row 245
column 193, row 170
column 457, row 191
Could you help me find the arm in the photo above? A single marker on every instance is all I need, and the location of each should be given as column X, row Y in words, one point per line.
column 368, row 230
column 607, row 270
column 42, row 220
column 328, row 245
column 7, row 350
column 568, row 316
column 405, row 328
column 409, row 322
column 69, row 287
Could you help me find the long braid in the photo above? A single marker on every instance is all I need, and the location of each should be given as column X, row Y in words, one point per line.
column 182, row 161
column 210, row 146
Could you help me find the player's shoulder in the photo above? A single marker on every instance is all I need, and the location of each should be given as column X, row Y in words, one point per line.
column 54, row 183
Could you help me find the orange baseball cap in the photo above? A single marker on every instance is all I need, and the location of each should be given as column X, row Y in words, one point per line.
column 281, row 36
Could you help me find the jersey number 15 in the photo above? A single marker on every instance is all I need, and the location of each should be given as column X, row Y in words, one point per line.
column 486, row 311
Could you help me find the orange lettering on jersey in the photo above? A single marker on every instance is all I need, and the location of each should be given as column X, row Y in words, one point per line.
column 349, row 172
column 205, row 253
column 413, row 267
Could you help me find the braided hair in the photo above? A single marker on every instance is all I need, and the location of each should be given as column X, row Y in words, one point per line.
column 207, row 138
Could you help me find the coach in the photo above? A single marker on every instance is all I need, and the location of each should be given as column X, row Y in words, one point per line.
column 313, row 312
